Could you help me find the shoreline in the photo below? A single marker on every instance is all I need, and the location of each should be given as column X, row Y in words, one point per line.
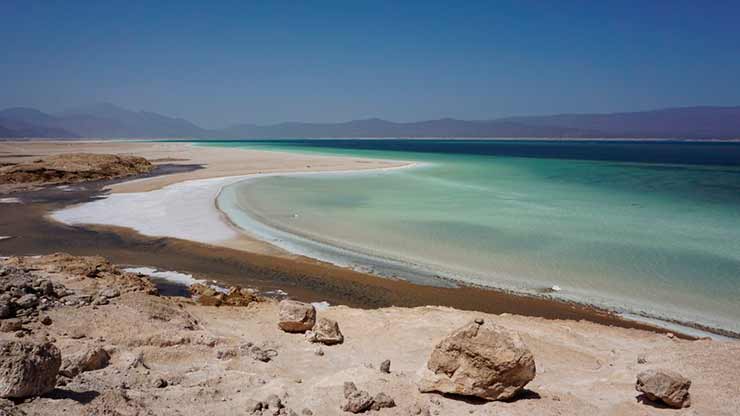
column 388, row 268
column 457, row 297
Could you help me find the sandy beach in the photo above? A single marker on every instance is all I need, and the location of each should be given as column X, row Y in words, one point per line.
column 193, row 191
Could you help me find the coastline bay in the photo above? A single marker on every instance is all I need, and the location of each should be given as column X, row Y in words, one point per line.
column 654, row 234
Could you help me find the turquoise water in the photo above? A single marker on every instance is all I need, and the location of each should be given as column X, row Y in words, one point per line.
column 657, row 237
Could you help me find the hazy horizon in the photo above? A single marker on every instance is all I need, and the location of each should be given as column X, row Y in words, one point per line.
column 234, row 63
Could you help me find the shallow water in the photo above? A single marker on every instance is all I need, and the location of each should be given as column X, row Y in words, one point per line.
column 646, row 228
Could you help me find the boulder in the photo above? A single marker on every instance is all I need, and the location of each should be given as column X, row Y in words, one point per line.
column 296, row 316
column 325, row 331
column 88, row 360
column 482, row 360
column 27, row 369
column 665, row 386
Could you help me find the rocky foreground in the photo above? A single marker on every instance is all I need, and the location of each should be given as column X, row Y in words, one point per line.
column 69, row 169
column 80, row 337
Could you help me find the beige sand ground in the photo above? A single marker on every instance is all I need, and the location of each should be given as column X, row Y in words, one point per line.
column 216, row 162
column 582, row 368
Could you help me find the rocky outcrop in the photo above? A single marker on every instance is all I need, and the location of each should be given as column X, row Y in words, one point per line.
column 27, row 292
column 74, row 168
column 27, row 369
column 325, row 331
column 89, row 359
column 665, row 386
column 296, row 316
column 23, row 295
column 482, row 360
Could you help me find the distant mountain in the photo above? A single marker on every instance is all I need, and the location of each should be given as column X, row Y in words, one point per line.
column 21, row 122
column 688, row 122
column 382, row 128
column 110, row 121
column 95, row 121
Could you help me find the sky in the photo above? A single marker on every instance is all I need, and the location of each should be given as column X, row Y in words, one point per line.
column 223, row 62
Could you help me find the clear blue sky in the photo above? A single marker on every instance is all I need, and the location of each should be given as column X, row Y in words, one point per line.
column 222, row 62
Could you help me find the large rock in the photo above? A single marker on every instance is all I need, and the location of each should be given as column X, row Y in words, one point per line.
column 296, row 316
column 90, row 359
column 27, row 369
column 481, row 360
column 325, row 331
column 665, row 386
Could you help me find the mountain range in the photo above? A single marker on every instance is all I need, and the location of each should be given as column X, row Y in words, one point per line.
column 110, row 121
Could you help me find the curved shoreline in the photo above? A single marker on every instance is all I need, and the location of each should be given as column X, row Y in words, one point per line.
column 180, row 188
column 218, row 229
column 384, row 267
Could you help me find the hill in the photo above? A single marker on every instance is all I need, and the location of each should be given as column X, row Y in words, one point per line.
column 110, row 121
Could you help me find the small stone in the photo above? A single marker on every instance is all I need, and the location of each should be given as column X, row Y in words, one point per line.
column 11, row 325
column 306, row 412
column 6, row 311
column 358, row 402
column 274, row 402
column 417, row 409
column 253, row 406
column 479, row 321
column 382, row 401
column 159, row 383
column 318, row 351
column 641, row 359
column 86, row 360
column 326, row 331
column 46, row 320
column 100, row 300
column 385, row 367
column 349, row 388
column 27, row 301
column 109, row 293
